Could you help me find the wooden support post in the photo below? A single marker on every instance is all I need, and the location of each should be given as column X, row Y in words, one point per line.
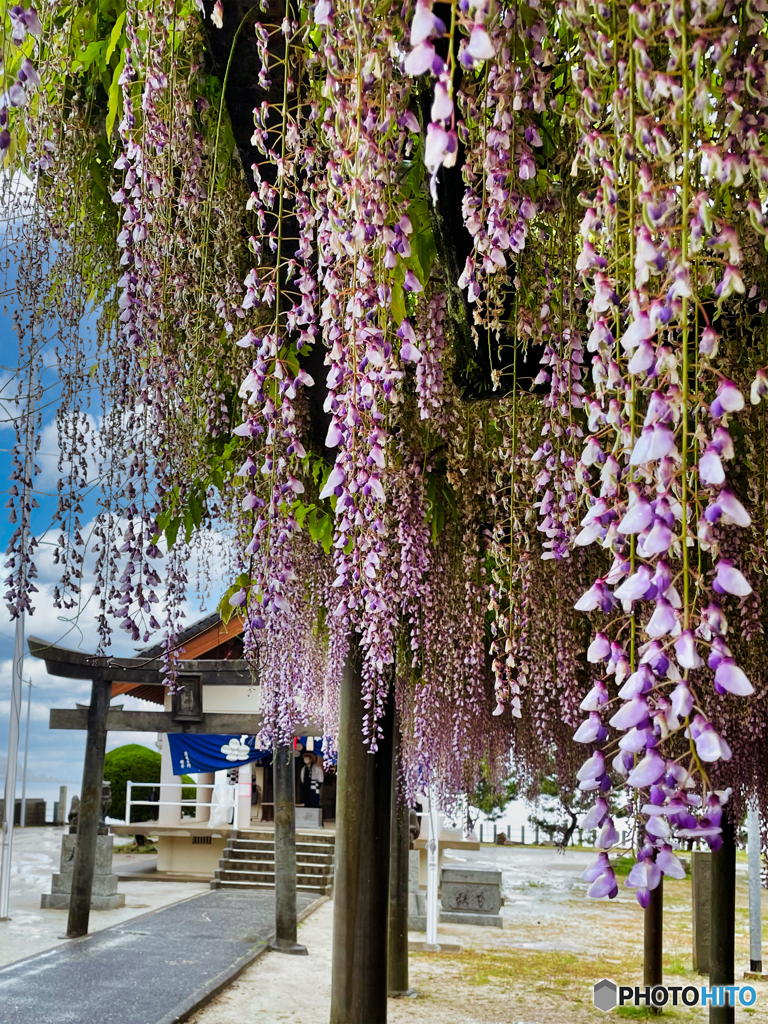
column 721, row 941
column 90, row 809
column 283, row 773
column 653, row 945
column 755, row 887
column 397, row 983
column 363, row 826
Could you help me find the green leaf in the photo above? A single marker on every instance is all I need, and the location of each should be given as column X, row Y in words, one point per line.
column 301, row 511
column 92, row 52
column 172, row 531
column 225, row 609
column 397, row 305
column 424, row 249
column 114, row 98
column 326, row 535
column 438, row 522
column 117, row 31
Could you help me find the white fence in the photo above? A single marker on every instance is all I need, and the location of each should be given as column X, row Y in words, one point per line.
column 228, row 801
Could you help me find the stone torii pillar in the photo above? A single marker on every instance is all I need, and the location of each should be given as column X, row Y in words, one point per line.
column 97, row 718
column 90, row 809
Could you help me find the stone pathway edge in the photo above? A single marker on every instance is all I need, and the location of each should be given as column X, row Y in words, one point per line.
column 204, row 995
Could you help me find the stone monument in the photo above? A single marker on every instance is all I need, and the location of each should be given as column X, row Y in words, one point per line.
column 417, row 900
column 471, row 896
column 105, row 895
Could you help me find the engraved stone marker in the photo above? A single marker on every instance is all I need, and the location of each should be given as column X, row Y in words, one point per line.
column 471, row 896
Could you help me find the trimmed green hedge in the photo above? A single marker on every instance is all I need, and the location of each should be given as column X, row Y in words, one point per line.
column 135, row 763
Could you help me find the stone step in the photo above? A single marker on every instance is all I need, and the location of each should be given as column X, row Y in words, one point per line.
column 269, row 866
column 301, row 837
column 267, row 878
column 269, row 855
column 263, row 844
column 316, row 890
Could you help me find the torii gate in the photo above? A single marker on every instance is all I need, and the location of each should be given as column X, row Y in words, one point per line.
column 187, row 715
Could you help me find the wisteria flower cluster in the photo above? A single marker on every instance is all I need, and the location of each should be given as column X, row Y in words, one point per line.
column 572, row 569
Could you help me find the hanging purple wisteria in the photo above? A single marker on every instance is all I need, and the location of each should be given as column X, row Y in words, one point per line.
column 458, row 337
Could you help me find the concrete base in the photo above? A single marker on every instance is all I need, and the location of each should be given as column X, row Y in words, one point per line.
column 292, row 948
column 754, row 976
column 60, row 901
column 484, row 920
column 309, row 817
column 441, row 947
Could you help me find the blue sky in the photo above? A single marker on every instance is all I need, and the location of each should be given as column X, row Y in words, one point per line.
column 57, row 754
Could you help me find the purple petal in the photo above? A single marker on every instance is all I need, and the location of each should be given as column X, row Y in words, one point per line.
column 637, row 518
column 589, row 730
column 682, row 700
column 731, row 678
column 605, row 885
column 729, row 580
column 632, row 713
column 685, row 649
column 599, row 649
column 595, row 815
column 596, row 868
column 711, row 472
column 662, row 621
column 647, row 772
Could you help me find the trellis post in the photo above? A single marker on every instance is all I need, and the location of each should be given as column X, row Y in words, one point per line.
column 723, row 922
column 397, row 983
column 286, row 927
column 653, row 945
column 361, row 890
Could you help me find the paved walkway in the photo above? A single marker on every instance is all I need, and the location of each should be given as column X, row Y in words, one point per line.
column 153, row 969
column 36, row 853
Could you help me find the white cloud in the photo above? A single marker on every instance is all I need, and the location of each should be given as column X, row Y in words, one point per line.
column 39, row 712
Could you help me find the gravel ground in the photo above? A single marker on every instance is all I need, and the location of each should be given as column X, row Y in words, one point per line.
column 538, row 969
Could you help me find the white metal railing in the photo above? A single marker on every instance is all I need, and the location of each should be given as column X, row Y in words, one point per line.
column 230, row 803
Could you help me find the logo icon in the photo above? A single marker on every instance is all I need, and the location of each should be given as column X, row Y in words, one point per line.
column 605, row 995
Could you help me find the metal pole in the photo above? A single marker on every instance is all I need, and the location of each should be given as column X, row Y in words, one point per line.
column 18, row 650
column 433, row 857
column 397, row 979
column 23, row 815
column 90, row 809
column 721, row 936
column 653, row 921
column 361, row 890
column 284, row 776
column 11, row 768
column 755, row 915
